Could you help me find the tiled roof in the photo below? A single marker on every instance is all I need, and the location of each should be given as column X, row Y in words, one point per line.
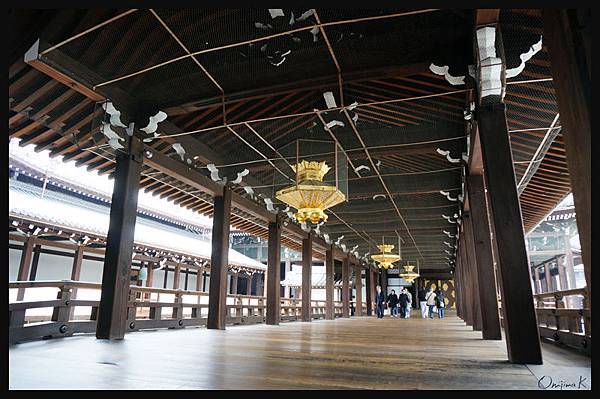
column 73, row 213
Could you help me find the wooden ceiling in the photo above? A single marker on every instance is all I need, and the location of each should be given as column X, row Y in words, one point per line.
column 239, row 109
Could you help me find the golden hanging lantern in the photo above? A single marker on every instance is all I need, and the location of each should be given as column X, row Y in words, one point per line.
column 386, row 258
column 408, row 274
column 310, row 196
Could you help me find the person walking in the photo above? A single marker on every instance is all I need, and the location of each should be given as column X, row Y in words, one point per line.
column 423, row 302
column 430, row 299
column 379, row 301
column 392, row 303
column 440, row 303
column 403, row 303
column 409, row 302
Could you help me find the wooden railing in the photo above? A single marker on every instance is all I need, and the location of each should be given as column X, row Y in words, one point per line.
column 148, row 308
column 565, row 317
column 145, row 310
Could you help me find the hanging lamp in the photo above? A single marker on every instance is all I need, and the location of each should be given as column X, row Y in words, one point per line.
column 408, row 274
column 310, row 196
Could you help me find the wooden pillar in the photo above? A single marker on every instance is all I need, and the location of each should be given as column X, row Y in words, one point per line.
column 369, row 291
column 473, row 270
column 149, row 279
column 219, row 261
column 176, row 276
column 199, row 280
column 345, row 287
column 307, row 278
column 249, row 284
column 384, row 281
column 480, row 229
column 187, row 277
column 457, row 291
column 548, row 275
column 76, row 274
column 568, row 35
column 536, row 279
column 520, row 323
column 166, row 276
column 358, row 284
column 37, row 249
column 329, row 271
column 274, row 273
column 234, row 283
column 112, row 311
column 466, row 281
column 25, row 265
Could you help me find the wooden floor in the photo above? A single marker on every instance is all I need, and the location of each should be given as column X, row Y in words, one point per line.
column 355, row 353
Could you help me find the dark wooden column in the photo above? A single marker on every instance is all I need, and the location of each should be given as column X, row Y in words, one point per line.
column 219, row 261
column 274, row 274
column 549, row 280
column 384, row 281
column 458, row 291
column 25, row 265
column 76, row 274
column 329, row 276
column 490, row 322
column 112, row 311
column 234, row 283
column 176, row 276
column 472, row 262
column 345, row 287
column 466, row 283
column 520, row 323
column 369, row 292
column 249, row 284
column 200, row 280
column 568, row 35
column 37, row 249
column 149, row 279
column 306, row 277
column 358, row 284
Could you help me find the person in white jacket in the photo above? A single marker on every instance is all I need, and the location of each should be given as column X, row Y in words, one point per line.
column 430, row 298
column 409, row 305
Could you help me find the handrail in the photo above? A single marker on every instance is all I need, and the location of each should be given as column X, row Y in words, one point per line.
column 561, row 293
column 144, row 312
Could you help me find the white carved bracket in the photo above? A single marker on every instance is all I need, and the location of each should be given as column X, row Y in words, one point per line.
column 443, row 71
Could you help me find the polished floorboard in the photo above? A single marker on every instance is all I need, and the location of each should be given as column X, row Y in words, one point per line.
column 355, row 353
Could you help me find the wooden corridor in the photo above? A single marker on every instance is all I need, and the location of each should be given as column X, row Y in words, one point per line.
column 355, row 353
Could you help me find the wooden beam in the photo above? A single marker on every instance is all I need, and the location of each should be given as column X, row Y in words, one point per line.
column 520, row 321
column 307, row 278
column 34, row 59
column 484, row 261
column 217, row 305
column 345, row 287
column 567, row 33
column 486, row 16
column 112, row 311
column 329, row 283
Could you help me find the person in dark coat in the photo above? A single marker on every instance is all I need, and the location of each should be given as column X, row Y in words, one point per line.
column 379, row 301
column 403, row 299
column 392, row 302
